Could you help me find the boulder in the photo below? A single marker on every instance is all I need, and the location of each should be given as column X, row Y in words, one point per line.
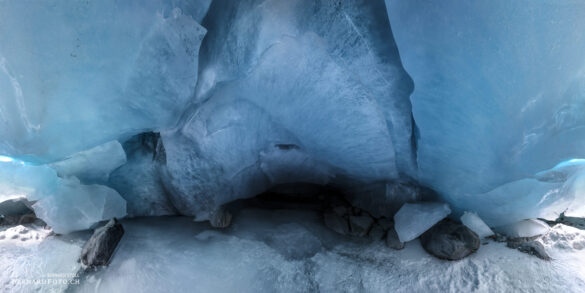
column 100, row 247
column 376, row 232
column 449, row 240
column 16, row 211
column 530, row 247
column 336, row 222
column 360, row 225
column 221, row 218
column 392, row 240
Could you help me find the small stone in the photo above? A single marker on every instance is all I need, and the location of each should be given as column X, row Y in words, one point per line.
column 530, row 247
column 499, row 237
column 449, row 240
column 15, row 236
column 377, row 232
column 386, row 223
column 336, row 222
column 220, row 218
column 2, row 236
column 27, row 219
column 392, row 240
column 360, row 225
column 340, row 210
column 98, row 250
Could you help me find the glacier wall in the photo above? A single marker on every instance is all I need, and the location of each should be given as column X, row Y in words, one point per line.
column 149, row 108
column 76, row 75
column 499, row 97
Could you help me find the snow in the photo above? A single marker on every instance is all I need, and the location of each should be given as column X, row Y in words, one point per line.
column 526, row 228
column 23, row 235
column 33, row 261
column 413, row 219
column 291, row 251
column 476, row 224
column 564, row 238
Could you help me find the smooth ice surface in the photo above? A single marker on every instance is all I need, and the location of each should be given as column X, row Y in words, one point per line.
column 76, row 75
column 499, row 97
column 94, row 165
column 476, row 224
column 526, row 228
column 413, row 219
column 65, row 204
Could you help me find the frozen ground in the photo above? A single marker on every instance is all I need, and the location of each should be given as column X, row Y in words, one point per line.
column 33, row 261
column 288, row 251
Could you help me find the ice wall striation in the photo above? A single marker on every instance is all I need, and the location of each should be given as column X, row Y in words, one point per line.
column 499, row 97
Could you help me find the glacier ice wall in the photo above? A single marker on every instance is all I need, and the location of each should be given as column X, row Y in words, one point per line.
column 93, row 71
column 161, row 107
column 291, row 91
column 499, row 97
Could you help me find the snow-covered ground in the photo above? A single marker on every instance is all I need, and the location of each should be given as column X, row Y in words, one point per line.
column 33, row 261
column 289, row 251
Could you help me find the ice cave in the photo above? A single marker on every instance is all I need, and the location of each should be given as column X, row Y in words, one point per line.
column 292, row 146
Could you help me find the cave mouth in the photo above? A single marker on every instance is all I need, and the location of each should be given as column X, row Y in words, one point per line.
column 293, row 196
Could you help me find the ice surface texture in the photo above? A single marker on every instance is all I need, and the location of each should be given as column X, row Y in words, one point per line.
column 65, row 204
column 291, row 92
column 412, row 220
column 76, row 75
column 250, row 94
column 476, row 224
column 499, row 97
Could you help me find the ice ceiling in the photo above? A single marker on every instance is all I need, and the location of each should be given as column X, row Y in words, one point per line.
column 113, row 108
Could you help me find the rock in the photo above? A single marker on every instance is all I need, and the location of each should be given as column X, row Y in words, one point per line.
column 9, row 220
column 499, row 237
column 392, row 240
column 16, row 211
column 220, row 218
column 341, row 211
column 386, row 223
column 531, row 247
column 27, row 219
column 377, row 232
column 571, row 221
column 15, row 206
column 360, row 225
column 101, row 245
column 336, row 222
column 449, row 240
